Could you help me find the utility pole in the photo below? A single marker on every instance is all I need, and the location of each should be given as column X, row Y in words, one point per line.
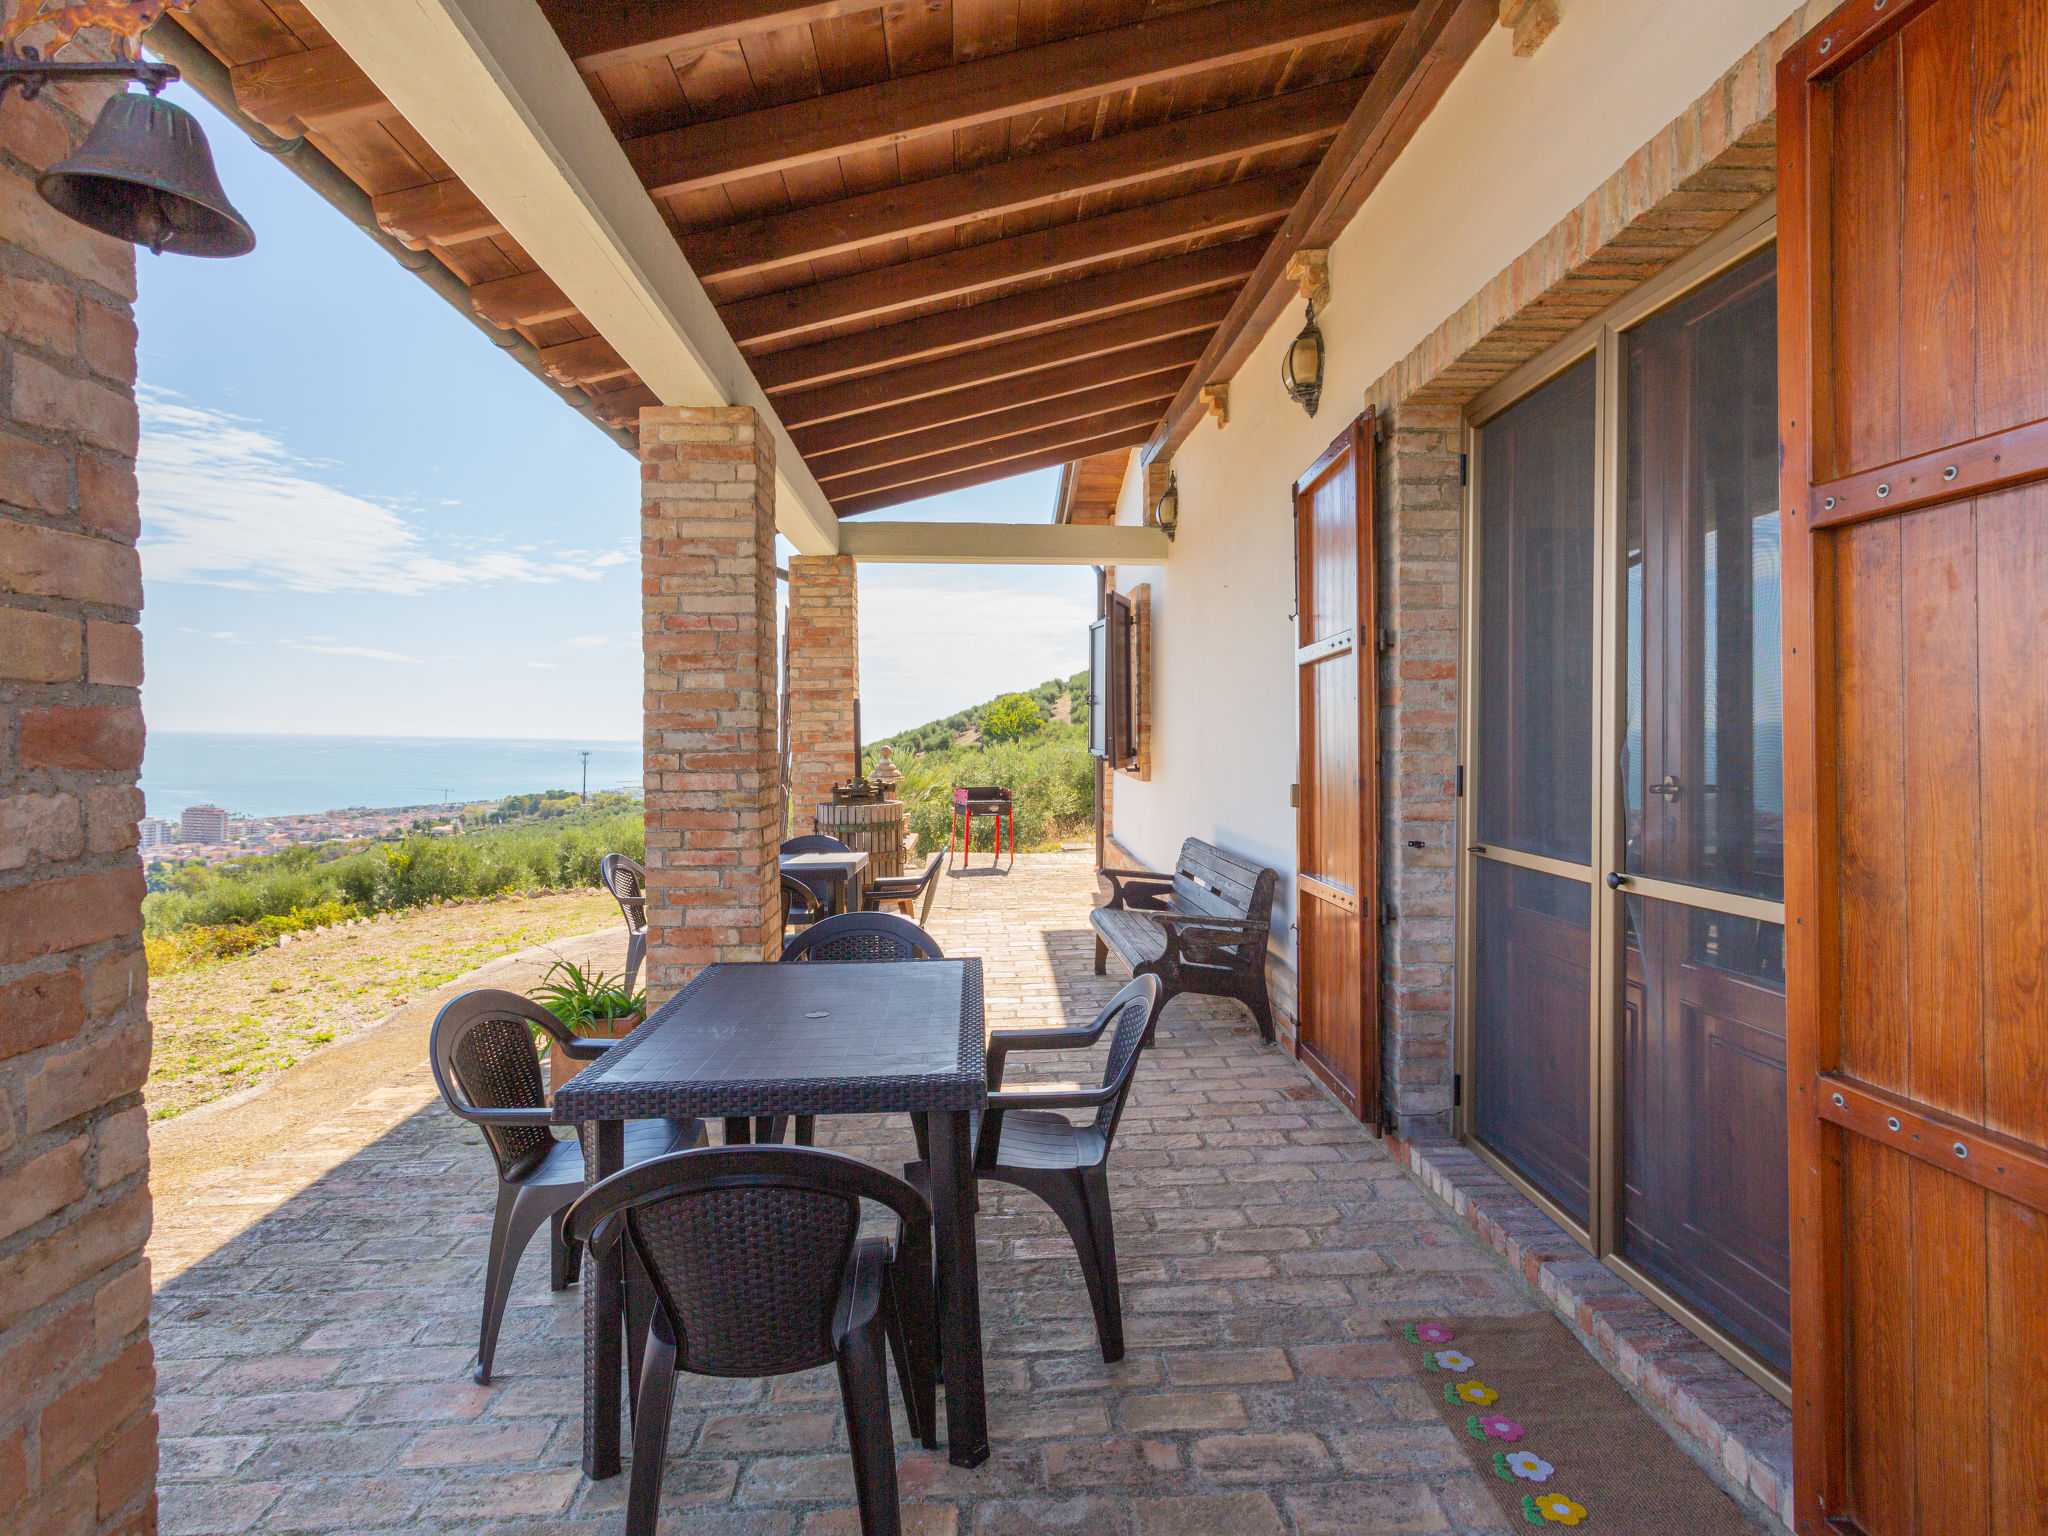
column 586, row 778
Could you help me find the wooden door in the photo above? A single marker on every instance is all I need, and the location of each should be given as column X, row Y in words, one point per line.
column 1913, row 159
column 1336, row 907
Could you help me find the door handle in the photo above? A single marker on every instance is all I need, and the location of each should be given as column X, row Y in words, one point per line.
column 1616, row 880
column 1669, row 788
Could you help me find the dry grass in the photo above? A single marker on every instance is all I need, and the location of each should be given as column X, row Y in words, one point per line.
column 223, row 1025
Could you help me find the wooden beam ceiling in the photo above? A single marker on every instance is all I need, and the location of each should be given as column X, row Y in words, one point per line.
column 1177, row 353
column 1234, row 206
column 1010, row 186
column 984, row 90
column 601, row 36
column 1063, row 304
column 1003, row 469
column 994, row 450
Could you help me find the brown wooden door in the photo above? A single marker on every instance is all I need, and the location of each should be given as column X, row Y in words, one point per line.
column 1336, row 906
column 1913, row 156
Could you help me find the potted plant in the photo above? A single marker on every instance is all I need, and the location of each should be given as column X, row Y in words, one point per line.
column 592, row 1004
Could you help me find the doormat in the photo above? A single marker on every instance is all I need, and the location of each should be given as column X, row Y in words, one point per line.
column 1556, row 1438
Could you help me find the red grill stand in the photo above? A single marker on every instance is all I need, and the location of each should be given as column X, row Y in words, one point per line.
column 970, row 801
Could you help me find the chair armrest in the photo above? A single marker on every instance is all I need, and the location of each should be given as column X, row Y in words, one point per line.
column 1064, row 1096
column 584, row 1047
column 541, row 1116
column 1140, row 878
column 1068, row 1037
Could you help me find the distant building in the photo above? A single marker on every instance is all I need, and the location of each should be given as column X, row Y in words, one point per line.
column 203, row 824
column 155, row 832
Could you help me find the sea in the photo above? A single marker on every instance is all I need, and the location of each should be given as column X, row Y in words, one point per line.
column 252, row 775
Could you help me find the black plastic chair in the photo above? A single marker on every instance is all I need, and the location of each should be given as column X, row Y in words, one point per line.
column 819, row 887
column 863, row 936
column 906, row 889
column 626, row 879
column 757, row 1268
column 488, row 1070
column 801, row 906
column 1025, row 1141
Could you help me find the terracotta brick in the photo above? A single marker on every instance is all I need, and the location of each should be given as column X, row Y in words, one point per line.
column 111, row 813
column 109, row 501
column 34, row 477
column 35, row 226
column 46, row 397
column 66, row 914
column 121, row 1306
column 126, row 1466
column 72, row 1083
column 113, row 654
column 41, row 1359
column 34, row 827
column 42, row 1186
column 46, row 562
column 13, row 1468
column 95, row 738
column 109, row 342
column 39, row 1010
column 40, row 314
column 38, row 647
column 72, row 1424
column 32, row 132
column 121, row 1147
column 117, row 979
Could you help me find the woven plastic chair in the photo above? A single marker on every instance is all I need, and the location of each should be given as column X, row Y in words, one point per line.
column 801, row 906
column 863, row 936
column 626, row 879
column 904, row 890
column 757, row 1267
column 1026, row 1142
column 819, row 887
column 488, row 1070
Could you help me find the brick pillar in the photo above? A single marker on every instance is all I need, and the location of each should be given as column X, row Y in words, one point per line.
column 707, row 563
column 77, row 1416
column 824, row 679
column 1419, row 510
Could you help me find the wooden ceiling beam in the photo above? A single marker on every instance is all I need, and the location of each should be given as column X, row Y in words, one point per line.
column 1236, row 205
column 1432, row 47
column 995, row 451
column 440, row 213
column 600, row 36
column 987, row 364
column 1153, row 390
column 995, row 86
column 527, row 299
column 1047, row 384
column 1008, row 186
column 1063, row 304
column 584, row 362
column 316, row 88
column 1048, row 458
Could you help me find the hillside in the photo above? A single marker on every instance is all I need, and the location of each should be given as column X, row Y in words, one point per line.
column 1060, row 701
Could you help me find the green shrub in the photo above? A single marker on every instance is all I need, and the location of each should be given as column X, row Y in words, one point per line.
column 1011, row 718
column 1051, row 778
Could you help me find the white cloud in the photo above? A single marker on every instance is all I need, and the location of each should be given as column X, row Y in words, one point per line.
column 215, row 634
column 581, row 641
column 368, row 652
column 225, row 503
column 545, row 666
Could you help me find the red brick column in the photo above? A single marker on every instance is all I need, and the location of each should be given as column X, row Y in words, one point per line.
column 707, row 564
column 77, row 1419
column 824, row 679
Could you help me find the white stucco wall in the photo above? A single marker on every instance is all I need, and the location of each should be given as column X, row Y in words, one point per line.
column 1512, row 148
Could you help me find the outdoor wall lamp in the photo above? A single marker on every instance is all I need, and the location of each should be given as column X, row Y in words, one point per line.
column 1166, row 515
column 1301, row 370
column 144, row 173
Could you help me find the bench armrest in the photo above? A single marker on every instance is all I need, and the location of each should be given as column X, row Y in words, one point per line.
column 1143, row 881
column 1173, row 920
column 1197, row 939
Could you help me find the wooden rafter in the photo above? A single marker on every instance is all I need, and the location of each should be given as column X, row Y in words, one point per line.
column 1062, row 304
column 1008, row 186
column 602, row 36
column 1003, row 469
column 987, row 364
column 439, row 213
column 988, row 89
column 1236, row 205
column 584, row 362
column 317, row 88
column 980, row 399
column 526, row 299
column 1153, row 390
column 1433, row 45
column 905, row 472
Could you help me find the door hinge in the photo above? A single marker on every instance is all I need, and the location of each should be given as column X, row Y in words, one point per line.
column 1464, row 469
column 1461, row 781
column 1294, row 796
column 1457, row 1089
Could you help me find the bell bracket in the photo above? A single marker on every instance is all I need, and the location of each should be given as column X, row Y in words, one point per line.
column 28, row 71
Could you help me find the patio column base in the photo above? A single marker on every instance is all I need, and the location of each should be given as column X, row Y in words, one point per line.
column 707, row 562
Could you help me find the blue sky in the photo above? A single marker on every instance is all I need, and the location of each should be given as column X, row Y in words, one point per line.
column 360, row 518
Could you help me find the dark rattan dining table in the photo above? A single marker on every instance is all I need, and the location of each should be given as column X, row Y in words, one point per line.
column 751, row 1040
column 841, row 870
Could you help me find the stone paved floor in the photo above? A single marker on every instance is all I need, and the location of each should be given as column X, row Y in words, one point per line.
column 314, row 1362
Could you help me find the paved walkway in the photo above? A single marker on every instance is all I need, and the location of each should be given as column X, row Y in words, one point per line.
column 314, row 1365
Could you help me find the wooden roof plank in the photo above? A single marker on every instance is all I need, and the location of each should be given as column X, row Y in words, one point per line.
column 1004, row 469
column 584, row 362
column 981, row 90
column 527, row 299
column 440, row 213
column 987, row 364
column 1060, row 304
column 297, row 91
column 974, row 455
column 1211, row 138
column 598, row 37
column 1151, row 226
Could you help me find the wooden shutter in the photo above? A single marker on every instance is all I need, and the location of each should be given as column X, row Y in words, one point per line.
column 1913, row 221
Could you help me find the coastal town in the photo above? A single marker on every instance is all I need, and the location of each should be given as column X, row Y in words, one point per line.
column 210, row 834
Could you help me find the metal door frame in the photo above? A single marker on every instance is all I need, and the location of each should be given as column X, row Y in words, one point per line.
column 1601, row 339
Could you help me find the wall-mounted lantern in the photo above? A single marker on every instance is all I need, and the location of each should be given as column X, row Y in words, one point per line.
column 1301, row 370
column 144, row 173
column 1166, row 513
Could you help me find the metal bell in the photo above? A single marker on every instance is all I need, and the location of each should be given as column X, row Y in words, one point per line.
column 144, row 174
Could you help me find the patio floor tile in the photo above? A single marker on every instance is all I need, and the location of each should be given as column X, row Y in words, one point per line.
column 316, row 1321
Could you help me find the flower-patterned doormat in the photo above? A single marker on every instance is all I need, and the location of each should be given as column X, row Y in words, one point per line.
column 1557, row 1439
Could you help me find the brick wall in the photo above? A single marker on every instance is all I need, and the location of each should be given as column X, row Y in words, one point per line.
column 77, row 1421
column 824, row 679
column 707, row 564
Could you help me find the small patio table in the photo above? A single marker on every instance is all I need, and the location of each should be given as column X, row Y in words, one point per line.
column 767, row 1039
column 842, row 870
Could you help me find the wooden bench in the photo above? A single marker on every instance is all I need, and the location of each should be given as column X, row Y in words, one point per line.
column 1201, row 929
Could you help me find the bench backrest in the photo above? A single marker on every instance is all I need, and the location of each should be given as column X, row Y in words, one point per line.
column 1212, row 883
